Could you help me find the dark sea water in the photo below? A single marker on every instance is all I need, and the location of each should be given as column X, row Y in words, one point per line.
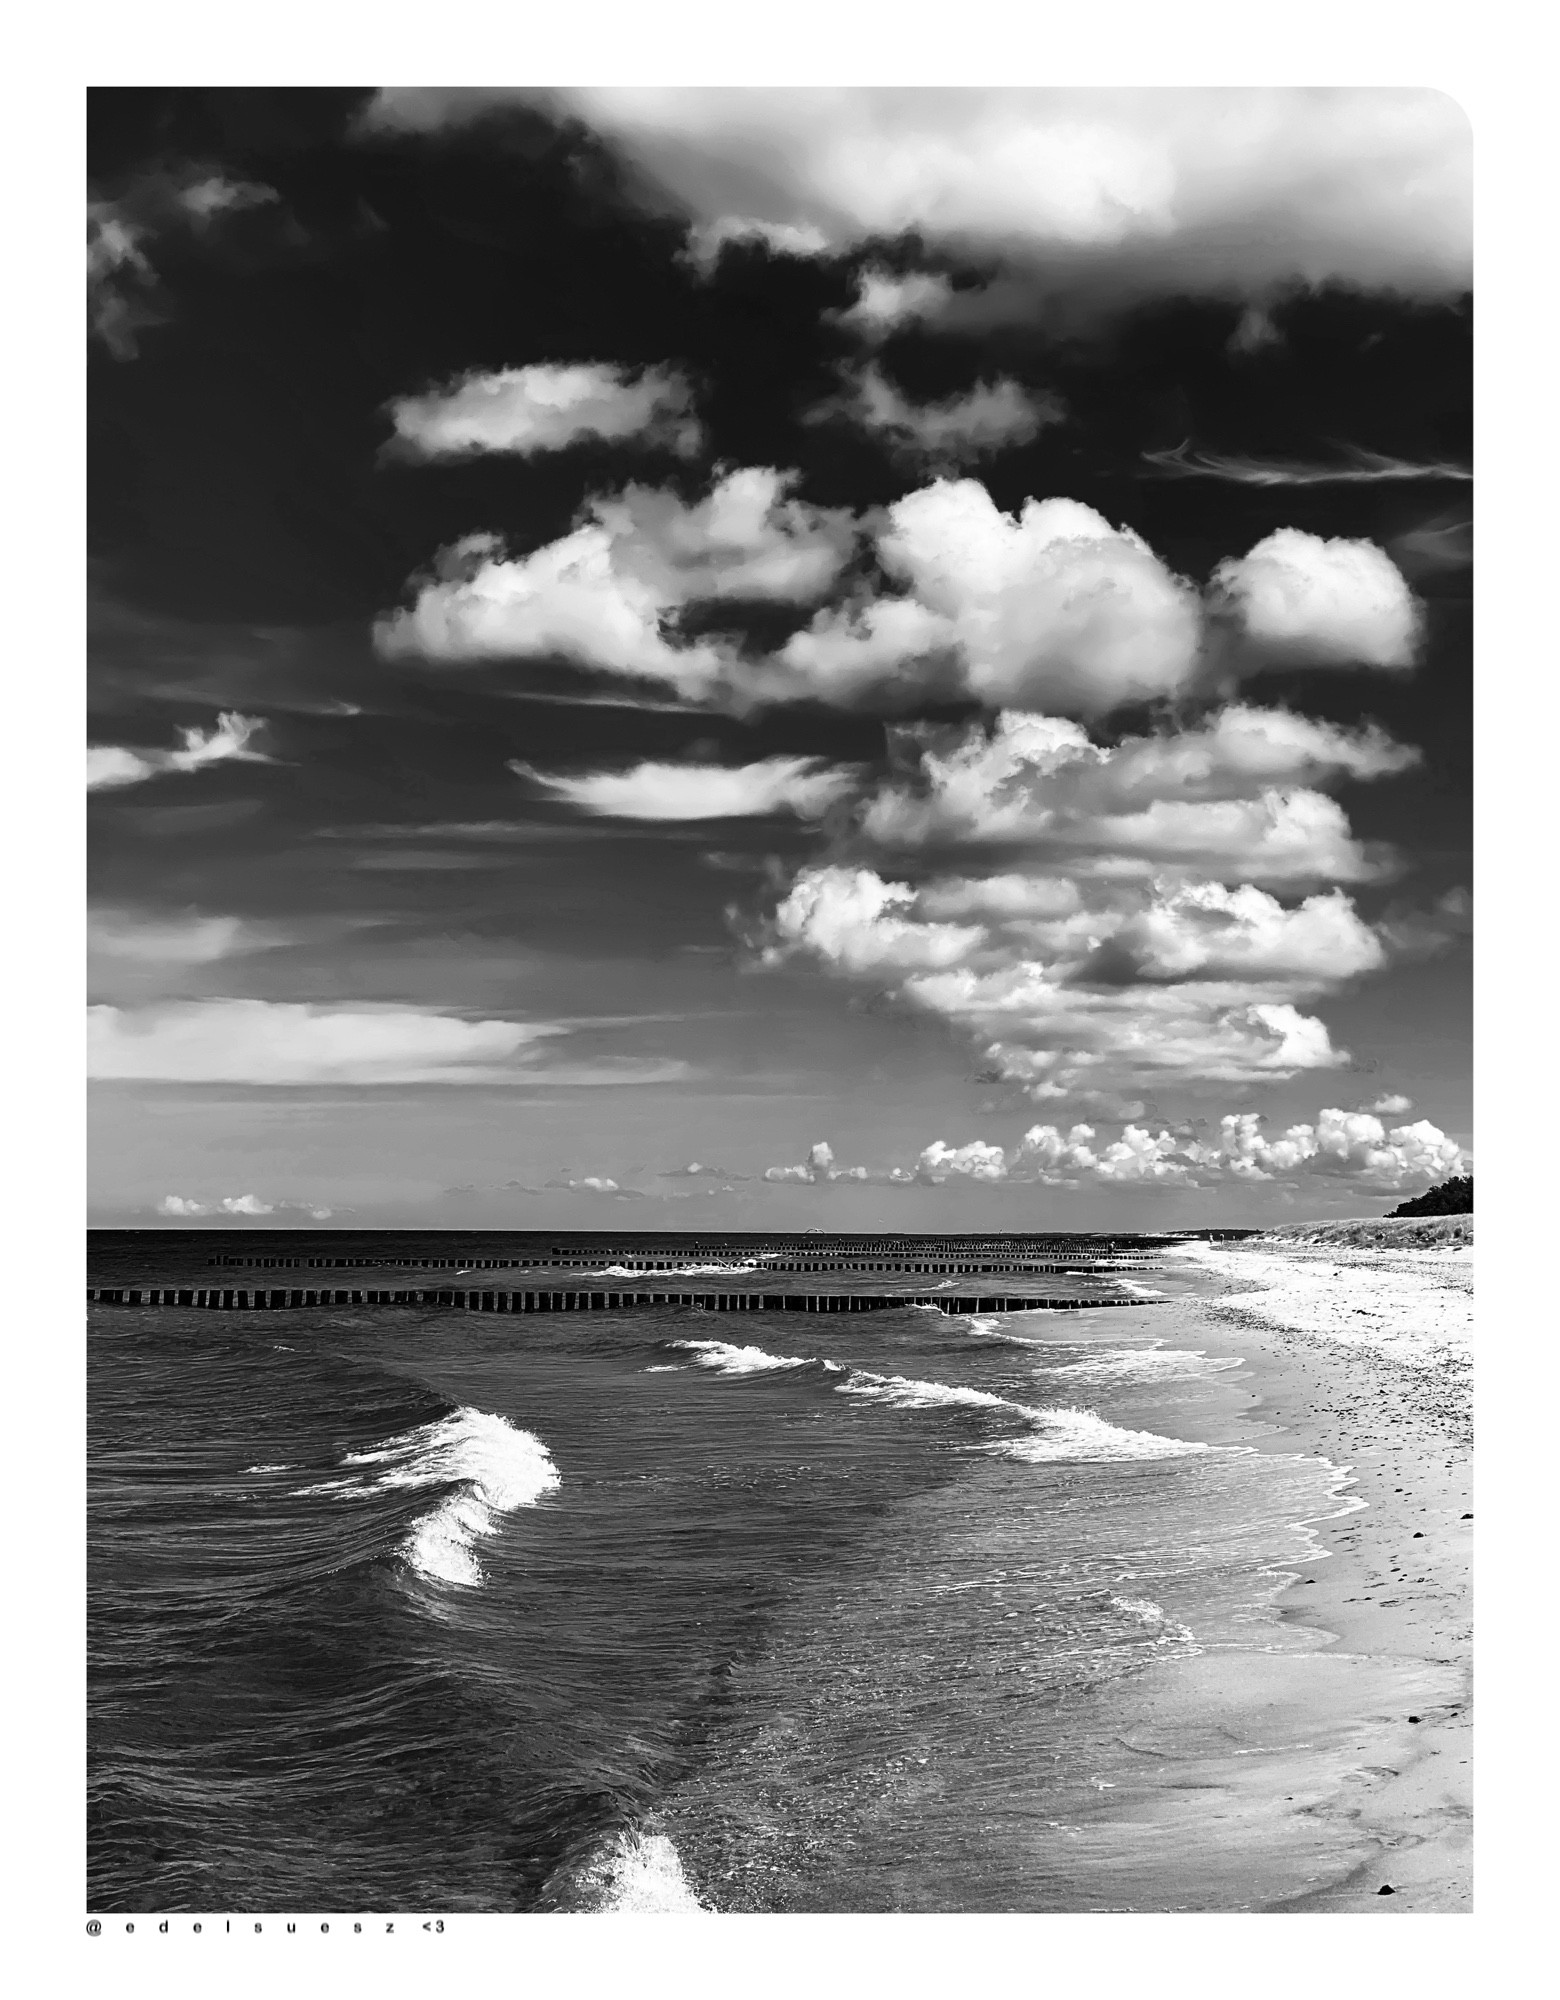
column 416, row 1609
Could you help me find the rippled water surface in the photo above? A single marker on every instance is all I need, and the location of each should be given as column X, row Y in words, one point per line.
column 401, row 1608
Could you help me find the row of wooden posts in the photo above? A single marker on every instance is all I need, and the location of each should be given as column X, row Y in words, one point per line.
column 224, row 1299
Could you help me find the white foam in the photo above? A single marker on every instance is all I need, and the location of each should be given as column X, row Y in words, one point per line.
column 499, row 1467
column 1144, row 1364
column 906, row 1394
column 639, row 1873
column 1082, row 1436
column 1165, row 1631
column 729, row 1360
column 676, row 1271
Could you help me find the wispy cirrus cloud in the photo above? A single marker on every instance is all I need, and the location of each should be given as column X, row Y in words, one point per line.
column 269, row 1042
column 110, row 767
column 1354, row 466
column 124, row 293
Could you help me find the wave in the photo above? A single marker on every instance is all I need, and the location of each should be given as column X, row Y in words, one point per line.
column 676, row 1271
column 1049, row 1434
column 1166, row 1631
column 907, row 1394
column 983, row 1328
column 632, row 1872
column 1144, row 1364
column 1081, row 1435
column 497, row 1467
column 730, row 1360
column 1052, row 1434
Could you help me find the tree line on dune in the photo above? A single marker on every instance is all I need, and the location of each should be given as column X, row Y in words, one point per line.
column 1452, row 1197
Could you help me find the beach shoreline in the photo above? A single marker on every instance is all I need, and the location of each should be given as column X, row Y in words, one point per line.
column 1362, row 1357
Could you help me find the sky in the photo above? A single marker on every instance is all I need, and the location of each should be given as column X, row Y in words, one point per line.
column 741, row 659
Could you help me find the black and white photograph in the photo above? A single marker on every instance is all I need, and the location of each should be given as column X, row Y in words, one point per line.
column 780, row 862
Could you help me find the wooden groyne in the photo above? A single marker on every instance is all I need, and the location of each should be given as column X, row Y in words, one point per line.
column 213, row 1298
column 891, row 1267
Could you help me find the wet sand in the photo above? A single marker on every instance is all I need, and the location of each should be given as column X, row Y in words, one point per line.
column 1364, row 1358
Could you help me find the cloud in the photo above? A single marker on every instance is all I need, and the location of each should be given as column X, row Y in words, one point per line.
column 1233, row 794
column 1301, row 599
column 124, row 294
column 546, row 408
column 1052, row 607
column 817, row 1170
column 1441, row 543
column 1090, row 984
column 991, row 417
column 598, row 1184
column 856, row 923
column 1340, row 1146
column 607, row 595
column 1055, row 608
column 804, row 786
column 975, row 1161
column 707, row 240
column 283, row 1042
column 1392, row 1105
column 236, row 1204
column 697, row 1170
column 1234, row 190
column 1357, row 467
column 181, row 940
column 109, row 767
column 886, row 301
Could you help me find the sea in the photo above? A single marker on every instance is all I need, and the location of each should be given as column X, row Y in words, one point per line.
column 416, row 1608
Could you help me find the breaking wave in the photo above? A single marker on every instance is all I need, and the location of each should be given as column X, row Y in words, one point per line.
column 495, row 1467
column 632, row 1872
column 730, row 1360
column 676, row 1271
column 1048, row 1434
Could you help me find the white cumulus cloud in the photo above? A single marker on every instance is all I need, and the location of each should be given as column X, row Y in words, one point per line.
column 706, row 240
column 886, row 301
column 1302, row 598
column 608, row 595
column 544, row 408
column 818, row 1169
column 236, row 1204
column 1340, row 1146
column 1230, row 794
column 987, row 419
column 803, row 786
column 1074, row 987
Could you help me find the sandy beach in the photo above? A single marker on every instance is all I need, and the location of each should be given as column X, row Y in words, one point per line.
column 1363, row 1356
